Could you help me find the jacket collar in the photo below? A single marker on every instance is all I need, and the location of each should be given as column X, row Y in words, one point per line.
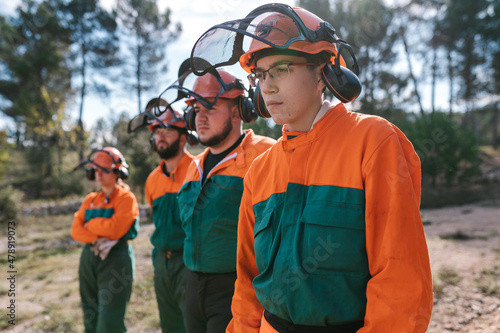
column 325, row 117
column 238, row 154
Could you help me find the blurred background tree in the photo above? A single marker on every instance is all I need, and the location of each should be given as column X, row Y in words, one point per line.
column 54, row 54
column 147, row 33
column 93, row 32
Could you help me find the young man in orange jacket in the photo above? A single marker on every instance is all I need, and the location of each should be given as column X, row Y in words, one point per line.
column 169, row 138
column 211, row 194
column 330, row 237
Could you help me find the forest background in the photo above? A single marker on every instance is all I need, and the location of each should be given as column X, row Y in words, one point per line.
column 432, row 67
column 55, row 54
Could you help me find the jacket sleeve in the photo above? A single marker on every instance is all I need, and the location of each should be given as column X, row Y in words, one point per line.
column 147, row 192
column 115, row 227
column 78, row 232
column 399, row 294
column 246, row 309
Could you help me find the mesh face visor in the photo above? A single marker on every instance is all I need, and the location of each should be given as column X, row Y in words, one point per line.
column 177, row 91
column 275, row 25
column 143, row 119
column 174, row 93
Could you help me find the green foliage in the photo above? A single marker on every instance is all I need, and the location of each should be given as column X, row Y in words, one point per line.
column 448, row 154
column 54, row 187
column 143, row 161
column 37, row 81
column 9, row 204
column 265, row 127
column 4, row 153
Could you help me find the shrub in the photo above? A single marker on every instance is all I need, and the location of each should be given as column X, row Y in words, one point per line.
column 446, row 151
column 9, row 199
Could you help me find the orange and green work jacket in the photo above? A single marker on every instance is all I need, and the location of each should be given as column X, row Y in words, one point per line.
column 330, row 230
column 209, row 211
column 116, row 217
column 161, row 193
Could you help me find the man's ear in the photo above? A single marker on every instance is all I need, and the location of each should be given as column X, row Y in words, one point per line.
column 182, row 139
column 235, row 113
column 321, row 82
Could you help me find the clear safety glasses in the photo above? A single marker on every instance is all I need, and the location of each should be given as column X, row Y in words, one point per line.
column 277, row 72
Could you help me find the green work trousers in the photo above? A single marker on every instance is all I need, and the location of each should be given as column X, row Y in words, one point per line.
column 170, row 289
column 105, row 288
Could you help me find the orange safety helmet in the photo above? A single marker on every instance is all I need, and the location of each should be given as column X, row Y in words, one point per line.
column 207, row 86
column 170, row 117
column 108, row 159
column 278, row 28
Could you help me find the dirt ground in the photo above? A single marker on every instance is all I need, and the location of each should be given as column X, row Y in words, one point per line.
column 464, row 248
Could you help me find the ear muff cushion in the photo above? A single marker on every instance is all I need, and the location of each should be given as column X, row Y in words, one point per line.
column 246, row 110
column 153, row 144
column 345, row 86
column 189, row 119
column 192, row 138
column 90, row 174
column 259, row 104
column 121, row 172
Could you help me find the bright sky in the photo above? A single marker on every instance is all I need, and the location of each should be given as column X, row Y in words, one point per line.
column 196, row 17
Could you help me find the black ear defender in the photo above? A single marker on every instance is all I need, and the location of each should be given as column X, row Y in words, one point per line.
column 122, row 172
column 189, row 118
column 246, row 107
column 90, row 172
column 341, row 82
column 152, row 143
column 192, row 138
column 258, row 102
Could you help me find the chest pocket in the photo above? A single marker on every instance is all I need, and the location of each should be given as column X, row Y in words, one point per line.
column 263, row 240
column 333, row 240
column 222, row 197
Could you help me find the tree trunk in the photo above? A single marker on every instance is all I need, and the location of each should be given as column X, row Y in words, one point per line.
column 433, row 83
column 80, row 128
column 450, row 77
column 412, row 76
column 138, row 74
column 495, row 126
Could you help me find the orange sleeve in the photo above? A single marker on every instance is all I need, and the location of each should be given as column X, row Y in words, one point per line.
column 246, row 309
column 78, row 232
column 399, row 294
column 125, row 213
column 147, row 192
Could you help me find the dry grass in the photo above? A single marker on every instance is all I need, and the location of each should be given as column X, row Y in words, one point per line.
column 47, row 297
column 463, row 243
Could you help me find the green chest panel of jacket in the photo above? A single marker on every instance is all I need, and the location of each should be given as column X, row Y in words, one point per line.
column 168, row 234
column 310, row 240
column 209, row 215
